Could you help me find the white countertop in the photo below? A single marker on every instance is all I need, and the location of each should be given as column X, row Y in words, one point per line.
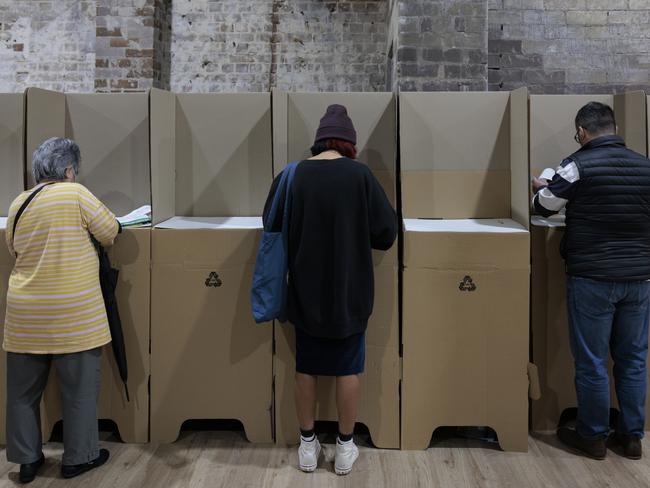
column 211, row 223
column 553, row 221
column 502, row 226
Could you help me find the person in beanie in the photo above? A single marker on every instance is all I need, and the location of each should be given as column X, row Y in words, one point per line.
column 605, row 188
column 338, row 214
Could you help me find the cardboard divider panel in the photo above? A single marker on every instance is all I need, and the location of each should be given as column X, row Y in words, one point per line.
column 551, row 141
column 464, row 175
column 12, row 182
column 211, row 172
column 112, row 131
column 296, row 117
column 12, row 126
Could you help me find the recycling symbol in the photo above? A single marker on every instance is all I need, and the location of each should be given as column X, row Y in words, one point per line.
column 467, row 284
column 213, row 280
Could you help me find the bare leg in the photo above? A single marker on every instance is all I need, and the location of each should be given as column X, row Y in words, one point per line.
column 347, row 402
column 305, row 395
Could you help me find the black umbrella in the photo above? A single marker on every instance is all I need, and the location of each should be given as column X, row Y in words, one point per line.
column 108, row 281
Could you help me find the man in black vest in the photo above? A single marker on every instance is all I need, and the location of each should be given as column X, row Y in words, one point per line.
column 605, row 188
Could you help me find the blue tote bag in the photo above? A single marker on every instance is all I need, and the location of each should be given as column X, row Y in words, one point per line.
column 269, row 292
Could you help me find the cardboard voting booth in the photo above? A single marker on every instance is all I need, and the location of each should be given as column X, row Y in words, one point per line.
column 464, row 176
column 112, row 131
column 551, row 141
column 211, row 171
column 12, row 128
column 296, row 119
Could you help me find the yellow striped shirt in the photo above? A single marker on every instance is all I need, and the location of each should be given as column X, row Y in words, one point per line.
column 54, row 301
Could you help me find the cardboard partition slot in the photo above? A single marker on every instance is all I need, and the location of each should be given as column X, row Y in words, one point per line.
column 379, row 402
column 296, row 120
column 204, row 342
column 474, row 324
column 112, row 131
column 12, row 121
column 131, row 256
column 444, row 175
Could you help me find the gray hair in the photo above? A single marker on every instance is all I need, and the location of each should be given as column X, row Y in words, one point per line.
column 53, row 157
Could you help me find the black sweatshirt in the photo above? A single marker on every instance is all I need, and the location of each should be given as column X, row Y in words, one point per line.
column 338, row 214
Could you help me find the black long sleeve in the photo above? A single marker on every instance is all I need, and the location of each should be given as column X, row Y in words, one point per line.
column 339, row 213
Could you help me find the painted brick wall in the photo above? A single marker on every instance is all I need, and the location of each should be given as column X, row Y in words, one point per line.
column 553, row 46
column 47, row 44
column 294, row 45
column 569, row 46
column 124, row 45
column 441, row 45
column 221, row 45
column 331, row 46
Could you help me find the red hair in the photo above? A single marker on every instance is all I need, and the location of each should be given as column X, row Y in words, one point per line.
column 345, row 148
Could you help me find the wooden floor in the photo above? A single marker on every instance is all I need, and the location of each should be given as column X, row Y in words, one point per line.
column 225, row 459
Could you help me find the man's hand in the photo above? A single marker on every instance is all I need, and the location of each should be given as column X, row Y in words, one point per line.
column 538, row 184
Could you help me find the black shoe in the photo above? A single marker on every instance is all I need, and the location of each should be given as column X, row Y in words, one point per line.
column 631, row 445
column 29, row 471
column 592, row 448
column 77, row 469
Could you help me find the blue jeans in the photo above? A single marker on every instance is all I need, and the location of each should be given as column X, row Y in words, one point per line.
column 606, row 316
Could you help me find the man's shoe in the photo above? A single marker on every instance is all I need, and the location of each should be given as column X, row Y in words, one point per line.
column 346, row 455
column 631, row 444
column 308, row 454
column 592, row 448
column 29, row 471
column 71, row 471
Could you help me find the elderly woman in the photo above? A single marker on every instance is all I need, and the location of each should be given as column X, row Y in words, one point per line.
column 55, row 311
column 339, row 213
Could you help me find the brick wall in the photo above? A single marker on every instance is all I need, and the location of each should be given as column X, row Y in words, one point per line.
column 295, row 45
column 162, row 44
column 221, row 45
column 552, row 46
column 47, row 44
column 569, row 46
column 441, row 45
column 124, row 45
column 331, row 46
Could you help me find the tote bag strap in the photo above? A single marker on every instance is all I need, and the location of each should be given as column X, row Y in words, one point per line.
column 283, row 186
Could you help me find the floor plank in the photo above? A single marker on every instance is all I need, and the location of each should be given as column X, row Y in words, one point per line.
column 225, row 459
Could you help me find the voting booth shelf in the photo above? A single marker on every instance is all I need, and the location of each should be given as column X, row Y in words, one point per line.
column 464, row 175
column 211, row 169
column 551, row 130
column 295, row 120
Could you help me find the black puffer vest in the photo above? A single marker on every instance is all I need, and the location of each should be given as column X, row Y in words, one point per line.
column 608, row 218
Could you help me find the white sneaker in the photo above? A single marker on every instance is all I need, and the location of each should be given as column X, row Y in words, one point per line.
column 308, row 454
column 346, row 454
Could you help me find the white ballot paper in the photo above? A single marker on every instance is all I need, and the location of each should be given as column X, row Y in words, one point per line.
column 139, row 216
column 547, row 174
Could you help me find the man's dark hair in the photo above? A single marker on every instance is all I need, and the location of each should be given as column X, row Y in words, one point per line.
column 596, row 118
